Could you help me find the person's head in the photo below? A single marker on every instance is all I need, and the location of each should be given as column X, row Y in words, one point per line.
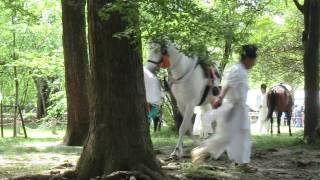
column 248, row 55
column 263, row 88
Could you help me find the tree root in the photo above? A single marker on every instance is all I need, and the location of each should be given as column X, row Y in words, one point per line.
column 140, row 172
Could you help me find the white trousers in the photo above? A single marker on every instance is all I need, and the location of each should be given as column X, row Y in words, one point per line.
column 231, row 136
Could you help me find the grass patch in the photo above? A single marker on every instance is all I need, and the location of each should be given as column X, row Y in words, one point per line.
column 167, row 137
column 275, row 141
column 42, row 151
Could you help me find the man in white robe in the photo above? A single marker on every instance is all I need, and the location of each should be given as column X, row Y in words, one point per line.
column 153, row 88
column 233, row 124
column 154, row 95
column 263, row 110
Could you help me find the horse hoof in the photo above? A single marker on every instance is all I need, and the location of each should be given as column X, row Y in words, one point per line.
column 172, row 157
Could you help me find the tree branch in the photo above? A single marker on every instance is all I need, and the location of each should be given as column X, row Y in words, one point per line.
column 299, row 6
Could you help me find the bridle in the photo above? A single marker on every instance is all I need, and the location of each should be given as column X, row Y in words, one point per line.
column 164, row 51
column 154, row 62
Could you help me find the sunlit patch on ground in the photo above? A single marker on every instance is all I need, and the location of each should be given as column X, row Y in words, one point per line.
column 42, row 153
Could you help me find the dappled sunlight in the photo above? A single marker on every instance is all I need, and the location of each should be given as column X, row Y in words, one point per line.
column 275, row 156
column 42, row 152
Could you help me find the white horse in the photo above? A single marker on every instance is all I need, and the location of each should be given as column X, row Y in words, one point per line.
column 188, row 82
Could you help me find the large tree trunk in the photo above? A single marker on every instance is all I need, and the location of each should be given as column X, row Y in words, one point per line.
column 118, row 138
column 311, row 68
column 311, row 40
column 76, row 69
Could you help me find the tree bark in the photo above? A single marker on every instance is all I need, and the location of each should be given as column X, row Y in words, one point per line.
column 76, row 69
column 118, row 138
column 42, row 96
column 311, row 39
column 227, row 52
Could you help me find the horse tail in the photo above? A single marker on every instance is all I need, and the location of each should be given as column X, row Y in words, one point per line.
column 272, row 97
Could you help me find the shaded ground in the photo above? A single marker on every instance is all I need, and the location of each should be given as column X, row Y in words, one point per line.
column 273, row 163
column 277, row 157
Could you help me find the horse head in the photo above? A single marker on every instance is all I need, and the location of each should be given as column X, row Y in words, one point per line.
column 158, row 56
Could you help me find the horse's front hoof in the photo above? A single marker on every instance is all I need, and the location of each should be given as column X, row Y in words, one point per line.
column 172, row 157
column 175, row 155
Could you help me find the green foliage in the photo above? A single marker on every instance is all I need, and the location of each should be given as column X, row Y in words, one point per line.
column 200, row 28
column 30, row 40
column 278, row 34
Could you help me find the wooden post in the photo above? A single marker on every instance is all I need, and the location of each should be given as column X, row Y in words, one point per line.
column 22, row 122
column 1, row 108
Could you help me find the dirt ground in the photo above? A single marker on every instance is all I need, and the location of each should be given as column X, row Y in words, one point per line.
column 277, row 157
column 273, row 163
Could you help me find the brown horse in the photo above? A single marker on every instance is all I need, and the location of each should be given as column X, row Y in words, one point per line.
column 280, row 99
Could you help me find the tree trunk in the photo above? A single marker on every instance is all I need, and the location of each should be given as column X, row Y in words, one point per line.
column 16, row 81
column 118, row 138
column 76, row 71
column 42, row 96
column 227, row 53
column 311, row 40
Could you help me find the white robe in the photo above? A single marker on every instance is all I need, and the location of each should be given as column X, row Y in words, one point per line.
column 263, row 125
column 233, row 125
column 202, row 127
column 153, row 89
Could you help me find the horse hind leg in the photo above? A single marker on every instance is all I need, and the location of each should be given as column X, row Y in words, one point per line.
column 279, row 121
column 288, row 114
column 270, row 116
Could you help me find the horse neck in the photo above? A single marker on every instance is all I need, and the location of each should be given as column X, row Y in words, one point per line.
column 180, row 63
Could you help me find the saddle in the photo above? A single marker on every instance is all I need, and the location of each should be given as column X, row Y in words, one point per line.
column 211, row 74
column 209, row 71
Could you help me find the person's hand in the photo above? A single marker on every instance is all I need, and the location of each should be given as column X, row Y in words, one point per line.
column 216, row 102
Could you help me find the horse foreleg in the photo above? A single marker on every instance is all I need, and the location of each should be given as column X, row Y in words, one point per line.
column 279, row 121
column 185, row 126
column 271, row 125
column 288, row 114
